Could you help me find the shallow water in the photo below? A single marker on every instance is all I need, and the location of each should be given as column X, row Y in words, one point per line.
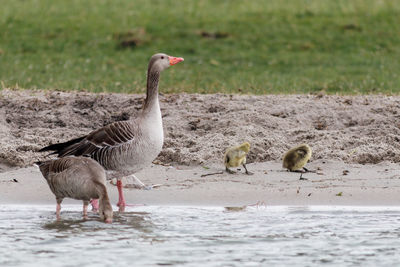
column 201, row 236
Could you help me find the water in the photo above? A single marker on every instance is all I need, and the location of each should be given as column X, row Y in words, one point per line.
column 201, row 236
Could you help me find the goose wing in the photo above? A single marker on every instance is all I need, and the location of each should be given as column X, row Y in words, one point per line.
column 55, row 166
column 110, row 136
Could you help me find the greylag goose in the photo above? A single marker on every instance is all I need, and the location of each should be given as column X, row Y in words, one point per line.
column 79, row 178
column 236, row 156
column 296, row 158
column 125, row 147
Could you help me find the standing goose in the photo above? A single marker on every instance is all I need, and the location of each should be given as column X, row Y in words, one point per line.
column 78, row 178
column 125, row 147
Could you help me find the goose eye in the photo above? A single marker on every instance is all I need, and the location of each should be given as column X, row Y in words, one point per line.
column 162, row 57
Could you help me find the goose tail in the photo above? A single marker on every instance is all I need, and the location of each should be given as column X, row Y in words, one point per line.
column 58, row 148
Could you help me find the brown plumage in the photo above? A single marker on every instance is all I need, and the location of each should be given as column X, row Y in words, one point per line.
column 79, row 178
column 296, row 158
column 125, row 147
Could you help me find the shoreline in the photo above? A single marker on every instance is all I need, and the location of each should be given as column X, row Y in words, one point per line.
column 363, row 185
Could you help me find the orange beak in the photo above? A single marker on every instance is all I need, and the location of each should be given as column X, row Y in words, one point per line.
column 175, row 60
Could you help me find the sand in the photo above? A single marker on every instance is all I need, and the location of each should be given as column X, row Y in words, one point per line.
column 360, row 134
column 377, row 184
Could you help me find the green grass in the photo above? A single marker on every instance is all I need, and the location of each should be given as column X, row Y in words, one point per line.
column 276, row 46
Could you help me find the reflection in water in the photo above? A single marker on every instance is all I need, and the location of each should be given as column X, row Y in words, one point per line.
column 196, row 236
column 73, row 222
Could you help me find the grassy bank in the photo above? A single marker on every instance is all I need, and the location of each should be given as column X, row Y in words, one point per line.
column 233, row 46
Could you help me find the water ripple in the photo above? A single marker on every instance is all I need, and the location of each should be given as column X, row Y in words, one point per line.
column 197, row 236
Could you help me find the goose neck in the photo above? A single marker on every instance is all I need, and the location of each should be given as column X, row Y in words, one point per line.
column 151, row 101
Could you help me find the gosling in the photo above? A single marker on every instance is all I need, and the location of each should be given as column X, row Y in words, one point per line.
column 236, row 156
column 296, row 158
column 79, row 178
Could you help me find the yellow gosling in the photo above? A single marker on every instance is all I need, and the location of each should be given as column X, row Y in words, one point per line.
column 236, row 156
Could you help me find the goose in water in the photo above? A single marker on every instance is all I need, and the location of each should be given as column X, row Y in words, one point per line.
column 125, row 147
column 296, row 158
column 79, row 178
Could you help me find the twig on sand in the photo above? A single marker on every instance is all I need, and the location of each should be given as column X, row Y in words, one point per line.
column 258, row 205
column 9, row 181
column 157, row 162
column 213, row 173
column 241, row 208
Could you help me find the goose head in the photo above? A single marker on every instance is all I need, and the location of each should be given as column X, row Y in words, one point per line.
column 106, row 214
column 160, row 62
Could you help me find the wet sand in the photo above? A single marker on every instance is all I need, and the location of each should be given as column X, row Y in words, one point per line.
column 355, row 141
column 335, row 183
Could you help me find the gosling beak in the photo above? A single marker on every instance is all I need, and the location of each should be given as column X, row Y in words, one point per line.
column 175, row 60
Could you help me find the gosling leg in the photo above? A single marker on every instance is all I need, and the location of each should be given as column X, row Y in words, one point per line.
column 301, row 177
column 247, row 172
column 229, row 171
column 301, row 174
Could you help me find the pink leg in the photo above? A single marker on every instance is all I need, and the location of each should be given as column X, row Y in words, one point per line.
column 121, row 200
column 58, row 209
column 95, row 205
column 85, row 206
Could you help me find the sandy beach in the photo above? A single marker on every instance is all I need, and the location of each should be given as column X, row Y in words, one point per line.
column 182, row 185
column 355, row 142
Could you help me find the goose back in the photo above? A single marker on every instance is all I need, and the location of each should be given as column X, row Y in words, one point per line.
column 74, row 177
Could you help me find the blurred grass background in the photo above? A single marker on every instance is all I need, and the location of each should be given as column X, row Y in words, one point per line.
column 235, row 46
